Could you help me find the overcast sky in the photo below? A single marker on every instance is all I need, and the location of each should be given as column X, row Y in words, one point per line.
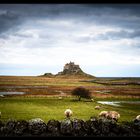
column 103, row 39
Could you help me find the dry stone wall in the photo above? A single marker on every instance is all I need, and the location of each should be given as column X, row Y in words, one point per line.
column 69, row 127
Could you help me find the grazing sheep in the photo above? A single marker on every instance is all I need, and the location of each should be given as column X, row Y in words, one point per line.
column 68, row 113
column 97, row 107
column 60, row 98
column 2, row 96
column 138, row 118
column 103, row 113
column 110, row 115
column 113, row 115
column 92, row 100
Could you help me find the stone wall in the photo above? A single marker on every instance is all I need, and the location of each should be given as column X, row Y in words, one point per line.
column 69, row 127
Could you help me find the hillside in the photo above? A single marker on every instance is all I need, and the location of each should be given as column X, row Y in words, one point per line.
column 70, row 70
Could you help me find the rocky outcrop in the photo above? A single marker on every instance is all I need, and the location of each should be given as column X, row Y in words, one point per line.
column 70, row 69
column 48, row 74
column 70, row 127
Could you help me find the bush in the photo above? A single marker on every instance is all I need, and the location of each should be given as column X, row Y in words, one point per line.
column 81, row 92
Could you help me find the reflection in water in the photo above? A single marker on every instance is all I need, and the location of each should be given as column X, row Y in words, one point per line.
column 114, row 103
column 11, row 93
column 117, row 103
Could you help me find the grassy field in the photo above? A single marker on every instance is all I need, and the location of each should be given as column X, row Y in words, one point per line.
column 38, row 103
column 48, row 108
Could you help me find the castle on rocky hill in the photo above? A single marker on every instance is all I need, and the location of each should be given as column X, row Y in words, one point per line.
column 70, row 69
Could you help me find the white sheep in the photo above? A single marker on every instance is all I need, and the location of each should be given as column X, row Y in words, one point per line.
column 2, row 96
column 103, row 113
column 113, row 115
column 68, row 113
column 110, row 115
column 60, row 98
column 138, row 118
column 97, row 107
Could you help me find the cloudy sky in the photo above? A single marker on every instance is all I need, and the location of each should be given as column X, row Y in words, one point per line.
column 38, row 38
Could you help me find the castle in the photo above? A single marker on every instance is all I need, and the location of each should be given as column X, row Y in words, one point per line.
column 71, row 68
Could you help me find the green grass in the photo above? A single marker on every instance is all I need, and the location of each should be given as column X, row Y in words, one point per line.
column 47, row 108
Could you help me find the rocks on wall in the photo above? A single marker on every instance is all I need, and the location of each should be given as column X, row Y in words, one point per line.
column 69, row 127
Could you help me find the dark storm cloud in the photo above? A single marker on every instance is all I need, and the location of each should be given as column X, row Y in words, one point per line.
column 8, row 20
column 123, row 16
column 13, row 15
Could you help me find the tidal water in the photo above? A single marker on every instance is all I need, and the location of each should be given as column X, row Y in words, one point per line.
column 11, row 93
column 118, row 103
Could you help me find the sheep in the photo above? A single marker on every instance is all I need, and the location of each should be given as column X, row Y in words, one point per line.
column 60, row 98
column 68, row 113
column 2, row 96
column 103, row 113
column 138, row 118
column 97, row 107
column 110, row 115
column 113, row 115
